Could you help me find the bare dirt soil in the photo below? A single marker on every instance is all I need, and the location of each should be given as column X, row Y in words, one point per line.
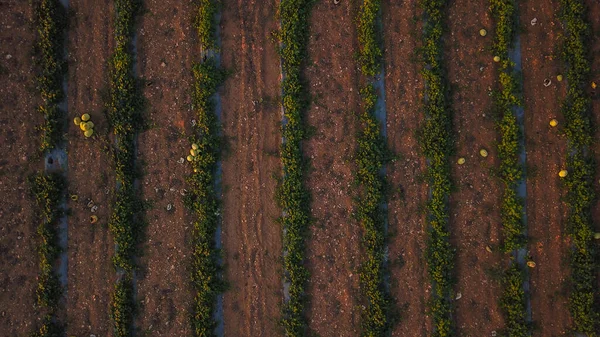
column 165, row 55
column 475, row 205
column 251, row 123
column 90, row 173
column 18, row 145
column 408, row 192
column 546, row 153
column 334, row 246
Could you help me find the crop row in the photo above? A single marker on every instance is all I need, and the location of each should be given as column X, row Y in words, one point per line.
column 506, row 100
column 124, row 112
column 204, row 23
column 49, row 189
column 436, row 139
column 51, row 23
column 371, row 157
column 293, row 196
column 579, row 182
column 368, row 31
column 202, row 197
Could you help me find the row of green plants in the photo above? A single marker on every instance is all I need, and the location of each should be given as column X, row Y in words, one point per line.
column 437, row 143
column 202, row 196
column 51, row 24
column 204, row 23
column 371, row 157
column 506, row 100
column 293, row 195
column 578, row 129
column 48, row 189
column 203, row 200
column 124, row 113
column 369, row 32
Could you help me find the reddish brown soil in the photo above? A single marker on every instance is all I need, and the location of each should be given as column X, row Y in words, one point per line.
column 165, row 55
column 251, row 122
column 546, row 154
column 404, row 87
column 475, row 206
column 18, row 145
column 334, row 246
column 90, row 175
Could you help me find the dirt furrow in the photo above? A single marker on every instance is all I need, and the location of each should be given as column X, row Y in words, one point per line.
column 19, row 145
column 334, row 245
column 251, row 122
column 165, row 50
column 404, row 86
column 475, row 205
column 90, row 272
column 546, row 153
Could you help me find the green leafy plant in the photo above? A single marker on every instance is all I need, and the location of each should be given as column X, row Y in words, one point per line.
column 370, row 159
column 202, row 198
column 124, row 114
column 123, row 306
column 205, row 23
column 506, row 99
column 437, row 144
column 293, row 196
column 51, row 23
column 513, row 302
column 49, row 189
column 368, row 32
column 578, row 129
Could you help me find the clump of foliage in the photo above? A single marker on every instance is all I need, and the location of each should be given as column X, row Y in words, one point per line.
column 293, row 195
column 368, row 33
column 124, row 112
column 511, row 170
column 48, row 191
column 202, row 198
column 513, row 301
column 371, row 157
column 579, row 182
column 205, row 23
column 436, row 138
column 50, row 21
column 123, row 306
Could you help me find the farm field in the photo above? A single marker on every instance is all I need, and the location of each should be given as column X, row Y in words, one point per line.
column 300, row 168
